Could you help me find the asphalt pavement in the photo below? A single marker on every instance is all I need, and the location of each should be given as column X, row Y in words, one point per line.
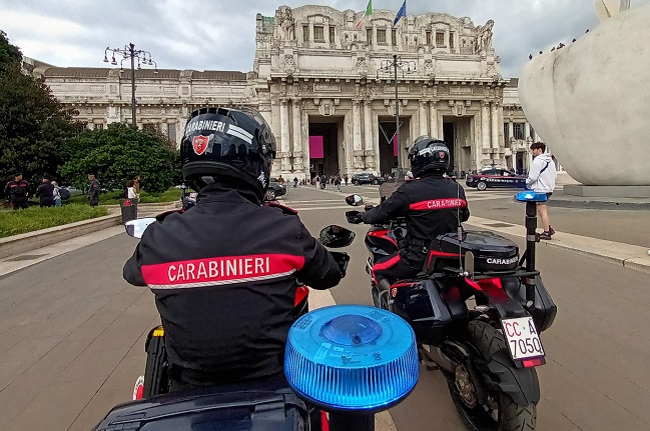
column 72, row 331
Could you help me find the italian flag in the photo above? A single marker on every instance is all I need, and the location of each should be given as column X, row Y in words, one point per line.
column 368, row 12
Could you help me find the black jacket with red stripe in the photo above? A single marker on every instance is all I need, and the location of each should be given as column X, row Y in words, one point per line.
column 432, row 205
column 224, row 277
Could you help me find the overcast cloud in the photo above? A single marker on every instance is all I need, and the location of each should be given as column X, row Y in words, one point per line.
column 220, row 35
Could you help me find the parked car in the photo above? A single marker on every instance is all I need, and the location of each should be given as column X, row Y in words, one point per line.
column 275, row 189
column 366, row 178
column 494, row 177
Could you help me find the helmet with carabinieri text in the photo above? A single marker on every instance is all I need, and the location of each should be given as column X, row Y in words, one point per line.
column 228, row 144
column 429, row 155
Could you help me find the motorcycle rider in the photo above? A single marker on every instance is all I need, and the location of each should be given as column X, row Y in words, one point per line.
column 224, row 272
column 431, row 203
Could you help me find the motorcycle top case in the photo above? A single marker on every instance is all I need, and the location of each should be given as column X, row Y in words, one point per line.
column 431, row 309
column 206, row 408
column 491, row 251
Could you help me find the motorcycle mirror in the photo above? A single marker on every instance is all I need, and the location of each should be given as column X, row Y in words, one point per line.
column 336, row 236
column 136, row 228
column 354, row 200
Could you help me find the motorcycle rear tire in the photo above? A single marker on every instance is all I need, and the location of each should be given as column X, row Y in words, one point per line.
column 511, row 416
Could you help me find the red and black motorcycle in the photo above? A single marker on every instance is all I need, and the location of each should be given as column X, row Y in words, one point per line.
column 477, row 311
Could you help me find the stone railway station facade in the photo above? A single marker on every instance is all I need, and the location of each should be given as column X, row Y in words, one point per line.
column 317, row 74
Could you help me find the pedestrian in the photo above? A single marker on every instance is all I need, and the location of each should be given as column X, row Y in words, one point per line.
column 16, row 191
column 337, row 182
column 56, row 194
column 281, row 180
column 345, row 178
column 295, row 182
column 541, row 179
column 317, row 181
column 131, row 191
column 45, row 193
column 323, row 182
column 136, row 184
column 93, row 190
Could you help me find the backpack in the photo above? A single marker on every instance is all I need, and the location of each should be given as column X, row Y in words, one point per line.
column 65, row 193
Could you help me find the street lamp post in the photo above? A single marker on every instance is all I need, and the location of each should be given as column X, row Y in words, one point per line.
column 406, row 67
column 129, row 51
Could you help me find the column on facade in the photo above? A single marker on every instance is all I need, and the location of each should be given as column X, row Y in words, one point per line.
column 500, row 133
column 296, row 147
column 485, row 129
column 511, row 130
column 304, row 125
column 374, row 36
column 356, row 134
column 447, row 42
column 326, row 31
column 434, row 119
column 536, row 137
column 284, row 135
column 494, row 115
column 369, row 150
column 424, row 123
column 311, row 32
column 526, row 130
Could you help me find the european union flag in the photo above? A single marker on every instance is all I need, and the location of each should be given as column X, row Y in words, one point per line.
column 400, row 13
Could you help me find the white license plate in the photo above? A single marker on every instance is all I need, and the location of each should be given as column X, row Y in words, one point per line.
column 522, row 338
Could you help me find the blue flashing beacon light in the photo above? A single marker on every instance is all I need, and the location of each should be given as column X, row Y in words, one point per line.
column 352, row 357
column 531, row 196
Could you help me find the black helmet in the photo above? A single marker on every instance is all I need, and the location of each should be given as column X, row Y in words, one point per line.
column 428, row 155
column 230, row 144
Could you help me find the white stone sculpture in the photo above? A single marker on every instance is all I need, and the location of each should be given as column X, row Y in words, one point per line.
column 589, row 101
column 606, row 9
column 484, row 38
column 287, row 23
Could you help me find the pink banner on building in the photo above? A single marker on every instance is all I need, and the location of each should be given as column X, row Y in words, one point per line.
column 316, row 147
column 395, row 145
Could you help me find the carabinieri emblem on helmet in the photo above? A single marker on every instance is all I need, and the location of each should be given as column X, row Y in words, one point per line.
column 200, row 144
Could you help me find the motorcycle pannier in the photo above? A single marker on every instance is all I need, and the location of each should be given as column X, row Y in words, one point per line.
column 544, row 309
column 430, row 311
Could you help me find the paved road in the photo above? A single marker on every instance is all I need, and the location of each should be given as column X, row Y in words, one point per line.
column 629, row 227
column 71, row 334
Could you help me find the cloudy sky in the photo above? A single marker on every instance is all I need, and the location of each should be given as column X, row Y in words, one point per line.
column 220, row 35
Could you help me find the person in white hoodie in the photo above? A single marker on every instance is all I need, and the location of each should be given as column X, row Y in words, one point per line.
column 541, row 178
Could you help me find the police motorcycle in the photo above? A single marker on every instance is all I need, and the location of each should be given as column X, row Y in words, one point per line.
column 343, row 364
column 477, row 311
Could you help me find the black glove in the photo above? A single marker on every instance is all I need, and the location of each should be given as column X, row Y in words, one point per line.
column 342, row 259
column 354, row 217
column 368, row 207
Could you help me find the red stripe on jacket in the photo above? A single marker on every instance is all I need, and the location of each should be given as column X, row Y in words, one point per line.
column 221, row 270
column 438, row 204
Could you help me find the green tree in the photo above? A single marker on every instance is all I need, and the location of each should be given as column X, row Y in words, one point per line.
column 118, row 154
column 9, row 54
column 33, row 124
